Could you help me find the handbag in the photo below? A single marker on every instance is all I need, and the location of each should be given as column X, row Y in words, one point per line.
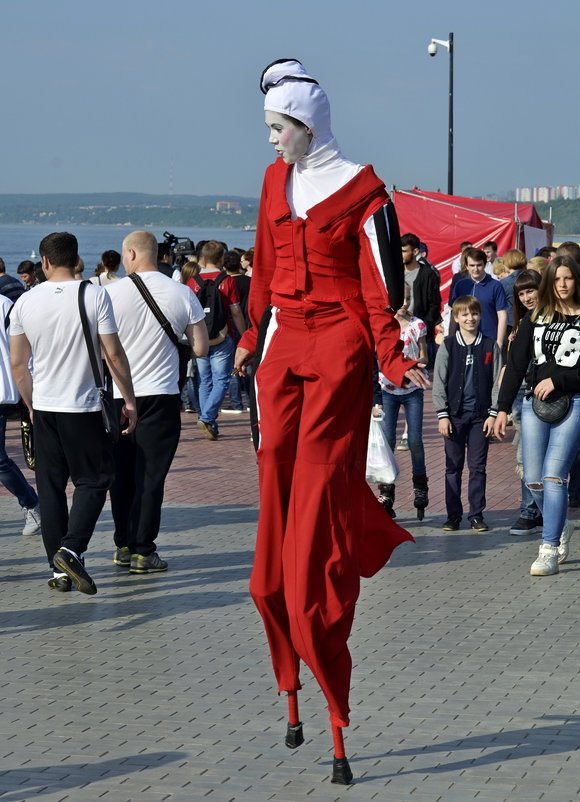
column 382, row 466
column 27, row 435
column 183, row 349
column 111, row 422
column 551, row 409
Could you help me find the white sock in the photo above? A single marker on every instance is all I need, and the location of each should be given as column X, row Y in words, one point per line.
column 70, row 551
column 58, row 576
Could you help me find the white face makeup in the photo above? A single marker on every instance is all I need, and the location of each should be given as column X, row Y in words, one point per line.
column 290, row 141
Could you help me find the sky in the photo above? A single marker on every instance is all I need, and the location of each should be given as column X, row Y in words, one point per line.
column 159, row 97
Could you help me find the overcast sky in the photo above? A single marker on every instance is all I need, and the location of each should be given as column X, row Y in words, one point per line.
column 143, row 95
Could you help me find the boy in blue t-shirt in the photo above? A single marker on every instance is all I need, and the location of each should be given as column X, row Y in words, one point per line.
column 465, row 393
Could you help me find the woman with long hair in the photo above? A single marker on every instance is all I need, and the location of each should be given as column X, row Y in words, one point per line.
column 525, row 299
column 327, row 279
column 549, row 338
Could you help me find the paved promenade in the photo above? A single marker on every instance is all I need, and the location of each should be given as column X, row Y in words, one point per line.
column 466, row 681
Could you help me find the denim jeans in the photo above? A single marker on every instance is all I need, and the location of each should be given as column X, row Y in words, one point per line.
column 10, row 474
column 549, row 449
column 236, row 392
column 412, row 403
column 190, row 392
column 528, row 507
column 214, row 379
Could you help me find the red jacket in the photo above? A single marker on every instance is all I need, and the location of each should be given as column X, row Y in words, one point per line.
column 331, row 256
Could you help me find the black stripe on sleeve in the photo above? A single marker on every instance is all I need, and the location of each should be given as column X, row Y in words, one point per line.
column 389, row 240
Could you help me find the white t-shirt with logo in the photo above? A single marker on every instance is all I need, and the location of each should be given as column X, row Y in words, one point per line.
column 48, row 315
column 152, row 356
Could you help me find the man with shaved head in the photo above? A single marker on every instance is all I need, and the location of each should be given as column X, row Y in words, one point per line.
column 142, row 460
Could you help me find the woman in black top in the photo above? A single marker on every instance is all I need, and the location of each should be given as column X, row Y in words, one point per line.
column 549, row 337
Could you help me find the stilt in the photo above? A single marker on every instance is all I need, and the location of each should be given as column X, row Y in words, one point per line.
column 294, row 734
column 341, row 773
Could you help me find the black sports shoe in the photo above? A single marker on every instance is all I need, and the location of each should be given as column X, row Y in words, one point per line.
column 73, row 567
column 62, row 583
column 122, row 557
column 526, row 526
column 451, row 525
column 150, row 564
column 478, row 524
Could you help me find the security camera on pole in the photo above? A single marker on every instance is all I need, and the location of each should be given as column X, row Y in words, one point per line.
column 432, row 50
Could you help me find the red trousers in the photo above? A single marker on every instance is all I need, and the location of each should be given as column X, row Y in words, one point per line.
column 320, row 526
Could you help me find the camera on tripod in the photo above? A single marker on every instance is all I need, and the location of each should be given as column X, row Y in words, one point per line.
column 182, row 247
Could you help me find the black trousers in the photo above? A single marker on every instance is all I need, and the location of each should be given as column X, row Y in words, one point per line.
column 142, row 461
column 71, row 445
column 467, row 435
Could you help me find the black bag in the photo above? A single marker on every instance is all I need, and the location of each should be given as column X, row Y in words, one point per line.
column 111, row 422
column 552, row 409
column 27, row 435
column 212, row 303
column 183, row 348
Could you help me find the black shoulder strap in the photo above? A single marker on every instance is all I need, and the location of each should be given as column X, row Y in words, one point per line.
column 149, row 300
column 87, row 333
column 7, row 318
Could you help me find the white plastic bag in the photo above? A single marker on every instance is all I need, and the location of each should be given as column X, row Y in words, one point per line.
column 381, row 464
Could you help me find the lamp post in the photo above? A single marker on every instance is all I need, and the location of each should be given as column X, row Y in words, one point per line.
column 432, row 50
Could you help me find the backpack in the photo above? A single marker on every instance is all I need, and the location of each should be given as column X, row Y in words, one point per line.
column 212, row 302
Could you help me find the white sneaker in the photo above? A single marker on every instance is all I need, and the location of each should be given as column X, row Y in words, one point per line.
column 31, row 521
column 564, row 547
column 546, row 563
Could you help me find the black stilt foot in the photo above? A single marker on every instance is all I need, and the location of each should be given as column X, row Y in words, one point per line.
column 294, row 736
column 341, row 773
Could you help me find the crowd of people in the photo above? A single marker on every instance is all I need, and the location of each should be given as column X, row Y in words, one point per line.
column 512, row 335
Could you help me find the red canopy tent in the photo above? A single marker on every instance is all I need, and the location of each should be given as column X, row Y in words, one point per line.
column 445, row 221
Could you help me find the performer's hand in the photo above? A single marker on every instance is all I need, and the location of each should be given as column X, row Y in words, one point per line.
column 243, row 356
column 129, row 414
column 418, row 376
column 499, row 426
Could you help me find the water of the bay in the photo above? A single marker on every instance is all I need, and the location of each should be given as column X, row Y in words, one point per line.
column 19, row 242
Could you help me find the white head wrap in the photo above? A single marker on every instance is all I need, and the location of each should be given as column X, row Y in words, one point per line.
column 323, row 169
column 290, row 90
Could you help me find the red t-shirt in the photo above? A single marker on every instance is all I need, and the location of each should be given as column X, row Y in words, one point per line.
column 227, row 286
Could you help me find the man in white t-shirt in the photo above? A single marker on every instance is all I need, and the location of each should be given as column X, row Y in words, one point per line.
column 142, row 461
column 70, row 440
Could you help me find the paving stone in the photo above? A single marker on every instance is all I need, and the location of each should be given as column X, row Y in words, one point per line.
column 465, row 678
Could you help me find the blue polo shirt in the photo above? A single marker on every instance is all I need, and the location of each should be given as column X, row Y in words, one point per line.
column 491, row 296
column 508, row 287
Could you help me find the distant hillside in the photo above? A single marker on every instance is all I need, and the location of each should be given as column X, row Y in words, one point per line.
column 136, row 209
column 565, row 215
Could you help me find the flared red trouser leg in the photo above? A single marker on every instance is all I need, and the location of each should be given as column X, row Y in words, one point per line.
column 314, row 400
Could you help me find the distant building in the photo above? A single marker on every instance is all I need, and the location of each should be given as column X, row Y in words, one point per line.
column 228, row 207
column 547, row 194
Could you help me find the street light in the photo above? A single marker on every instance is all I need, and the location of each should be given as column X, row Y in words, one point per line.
column 432, row 50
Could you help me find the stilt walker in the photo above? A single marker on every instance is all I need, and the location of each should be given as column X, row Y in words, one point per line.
column 327, row 276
